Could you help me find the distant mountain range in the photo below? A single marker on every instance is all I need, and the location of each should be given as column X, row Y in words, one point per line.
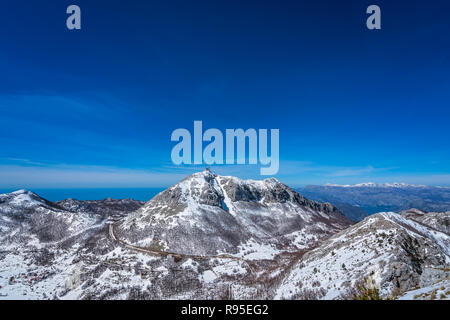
column 377, row 185
column 215, row 237
column 353, row 200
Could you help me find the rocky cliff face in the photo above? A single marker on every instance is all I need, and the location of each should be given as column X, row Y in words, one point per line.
column 393, row 253
column 439, row 221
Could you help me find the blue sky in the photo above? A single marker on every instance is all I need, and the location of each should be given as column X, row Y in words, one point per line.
column 96, row 107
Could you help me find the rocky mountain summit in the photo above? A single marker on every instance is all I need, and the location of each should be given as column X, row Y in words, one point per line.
column 207, row 214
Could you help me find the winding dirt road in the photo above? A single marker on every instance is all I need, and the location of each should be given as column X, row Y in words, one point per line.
column 172, row 254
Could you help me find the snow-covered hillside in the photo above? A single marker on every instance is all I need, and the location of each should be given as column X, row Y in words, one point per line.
column 393, row 253
column 25, row 217
column 215, row 237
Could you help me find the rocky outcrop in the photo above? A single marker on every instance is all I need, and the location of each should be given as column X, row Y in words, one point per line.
column 436, row 220
column 395, row 253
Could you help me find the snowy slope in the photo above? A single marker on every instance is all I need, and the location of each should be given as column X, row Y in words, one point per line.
column 436, row 220
column 24, row 216
column 38, row 242
column 437, row 291
column 395, row 253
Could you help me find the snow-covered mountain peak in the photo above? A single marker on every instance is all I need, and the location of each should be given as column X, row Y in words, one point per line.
column 209, row 188
column 21, row 191
column 209, row 213
column 366, row 184
column 23, row 199
column 376, row 185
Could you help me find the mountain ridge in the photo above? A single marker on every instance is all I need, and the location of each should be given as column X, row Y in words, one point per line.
column 214, row 237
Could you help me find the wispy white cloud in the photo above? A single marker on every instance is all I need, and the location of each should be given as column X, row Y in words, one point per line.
column 22, row 161
column 300, row 173
column 296, row 168
column 354, row 171
column 64, row 176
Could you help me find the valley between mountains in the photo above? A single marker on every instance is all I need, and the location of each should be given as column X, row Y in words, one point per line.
column 218, row 237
